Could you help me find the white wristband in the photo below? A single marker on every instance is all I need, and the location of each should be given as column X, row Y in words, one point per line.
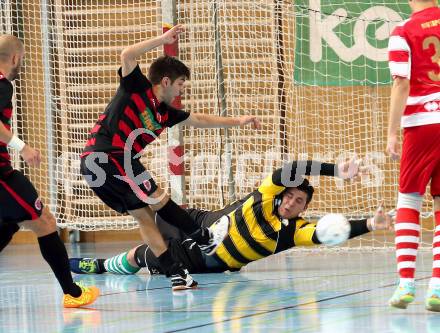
column 16, row 143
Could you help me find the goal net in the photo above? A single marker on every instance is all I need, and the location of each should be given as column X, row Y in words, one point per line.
column 313, row 71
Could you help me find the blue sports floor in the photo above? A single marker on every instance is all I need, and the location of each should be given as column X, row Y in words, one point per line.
column 295, row 292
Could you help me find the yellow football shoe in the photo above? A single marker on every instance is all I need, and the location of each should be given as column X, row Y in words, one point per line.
column 88, row 296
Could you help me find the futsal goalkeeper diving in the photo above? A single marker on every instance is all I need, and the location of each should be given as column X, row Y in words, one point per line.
column 265, row 222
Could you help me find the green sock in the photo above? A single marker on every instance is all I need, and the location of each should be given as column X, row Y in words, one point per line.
column 120, row 265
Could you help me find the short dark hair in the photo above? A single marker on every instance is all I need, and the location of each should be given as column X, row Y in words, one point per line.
column 306, row 188
column 167, row 66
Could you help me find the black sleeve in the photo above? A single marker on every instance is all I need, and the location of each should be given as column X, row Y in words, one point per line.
column 358, row 227
column 6, row 92
column 290, row 171
column 134, row 82
column 176, row 116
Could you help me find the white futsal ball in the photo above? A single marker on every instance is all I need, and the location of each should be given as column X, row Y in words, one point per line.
column 333, row 229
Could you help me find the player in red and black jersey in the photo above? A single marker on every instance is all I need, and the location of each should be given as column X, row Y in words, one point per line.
column 140, row 110
column 19, row 202
column 5, row 118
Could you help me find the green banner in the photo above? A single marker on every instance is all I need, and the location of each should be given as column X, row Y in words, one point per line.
column 341, row 43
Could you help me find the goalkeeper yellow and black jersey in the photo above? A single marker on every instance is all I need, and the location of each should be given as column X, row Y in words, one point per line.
column 256, row 231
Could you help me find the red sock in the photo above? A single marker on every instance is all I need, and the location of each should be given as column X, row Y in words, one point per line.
column 407, row 241
column 436, row 247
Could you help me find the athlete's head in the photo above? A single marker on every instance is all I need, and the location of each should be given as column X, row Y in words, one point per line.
column 11, row 56
column 168, row 74
column 295, row 200
column 417, row 5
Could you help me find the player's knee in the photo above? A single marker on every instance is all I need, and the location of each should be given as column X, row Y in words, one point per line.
column 410, row 200
column 44, row 225
column 48, row 220
column 161, row 198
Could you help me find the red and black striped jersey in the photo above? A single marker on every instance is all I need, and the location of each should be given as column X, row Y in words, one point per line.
column 133, row 107
column 6, row 91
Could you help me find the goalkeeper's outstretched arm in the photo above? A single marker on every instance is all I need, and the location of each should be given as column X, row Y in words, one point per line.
column 306, row 234
column 292, row 173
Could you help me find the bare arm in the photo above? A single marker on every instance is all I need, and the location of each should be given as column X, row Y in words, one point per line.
column 201, row 120
column 130, row 53
column 5, row 134
column 399, row 95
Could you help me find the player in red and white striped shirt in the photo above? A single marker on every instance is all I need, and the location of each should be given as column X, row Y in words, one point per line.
column 414, row 59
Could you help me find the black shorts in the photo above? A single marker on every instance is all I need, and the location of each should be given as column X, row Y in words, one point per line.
column 115, row 192
column 184, row 249
column 202, row 218
column 186, row 252
column 18, row 199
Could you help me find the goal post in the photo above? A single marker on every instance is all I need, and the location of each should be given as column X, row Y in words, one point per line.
column 176, row 166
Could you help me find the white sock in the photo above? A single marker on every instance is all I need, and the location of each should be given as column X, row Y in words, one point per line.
column 434, row 283
column 404, row 281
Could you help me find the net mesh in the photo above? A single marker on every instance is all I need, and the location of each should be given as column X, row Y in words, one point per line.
column 314, row 72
